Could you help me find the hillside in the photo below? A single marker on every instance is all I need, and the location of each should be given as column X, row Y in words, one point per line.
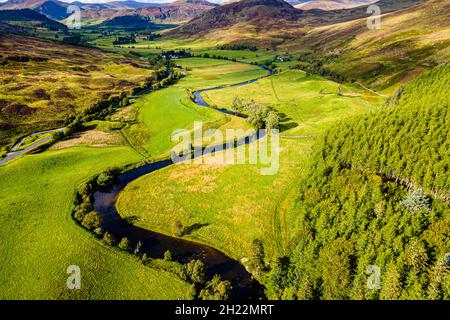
column 175, row 12
column 128, row 22
column 248, row 11
column 410, row 41
column 53, row 9
column 332, row 4
column 269, row 22
column 29, row 19
column 252, row 21
column 44, row 82
column 377, row 193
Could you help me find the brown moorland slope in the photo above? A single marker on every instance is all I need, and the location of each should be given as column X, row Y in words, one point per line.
column 409, row 41
column 270, row 22
column 42, row 82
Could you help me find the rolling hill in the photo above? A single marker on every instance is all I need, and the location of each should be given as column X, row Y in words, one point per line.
column 28, row 18
column 43, row 81
column 332, row 4
column 53, row 9
column 409, row 42
column 128, row 22
column 175, row 12
column 269, row 22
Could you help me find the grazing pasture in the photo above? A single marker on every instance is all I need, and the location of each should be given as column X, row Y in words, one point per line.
column 40, row 239
column 235, row 204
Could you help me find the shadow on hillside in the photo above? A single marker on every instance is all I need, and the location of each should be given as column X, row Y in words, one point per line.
column 194, row 227
column 285, row 122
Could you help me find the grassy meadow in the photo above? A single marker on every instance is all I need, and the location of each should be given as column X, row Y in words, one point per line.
column 43, row 191
column 309, row 103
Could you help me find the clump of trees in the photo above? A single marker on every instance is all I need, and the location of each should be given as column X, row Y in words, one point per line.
column 127, row 39
column 258, row 256
column 91, row 220
column 238, row 47
column 84, row 208
column 107, row 177
column 193, row 271
column 258, row 115
column 215, row 289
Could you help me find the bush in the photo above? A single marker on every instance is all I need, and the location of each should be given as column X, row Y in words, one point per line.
column 177, row 229
column 195, row 270
column 82, row 209
column 107, row 177
column 272, row 120
column 125, row 244
column 40, row 94
column 91, row 220
column 258, row 255
column 216, row 289
column 84, row 193
column 58, row 136
column 168, row 255
column 109, row 239
column 99, row 231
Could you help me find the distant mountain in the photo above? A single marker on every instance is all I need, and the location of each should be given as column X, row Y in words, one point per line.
column 132, row 22
column 52, row 9
column 270, row 22
column 185, row 10
column 57, row 10
column 259, row 13
column 331, row 4
column 129, row 4
column 28, row 18
column 178, row 11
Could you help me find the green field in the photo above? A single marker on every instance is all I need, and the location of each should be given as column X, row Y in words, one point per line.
column 40, row 239
column 44, row 82
column 310, row 103
column 164, row 111
column 235, row 204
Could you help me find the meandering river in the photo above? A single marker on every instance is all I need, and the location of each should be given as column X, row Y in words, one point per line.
column 155, row 244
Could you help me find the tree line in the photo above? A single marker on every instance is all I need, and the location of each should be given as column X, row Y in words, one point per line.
column 371, row 220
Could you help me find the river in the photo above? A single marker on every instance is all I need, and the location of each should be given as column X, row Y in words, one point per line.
column 155, row 244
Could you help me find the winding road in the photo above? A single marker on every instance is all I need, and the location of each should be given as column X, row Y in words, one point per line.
column 16, row 152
